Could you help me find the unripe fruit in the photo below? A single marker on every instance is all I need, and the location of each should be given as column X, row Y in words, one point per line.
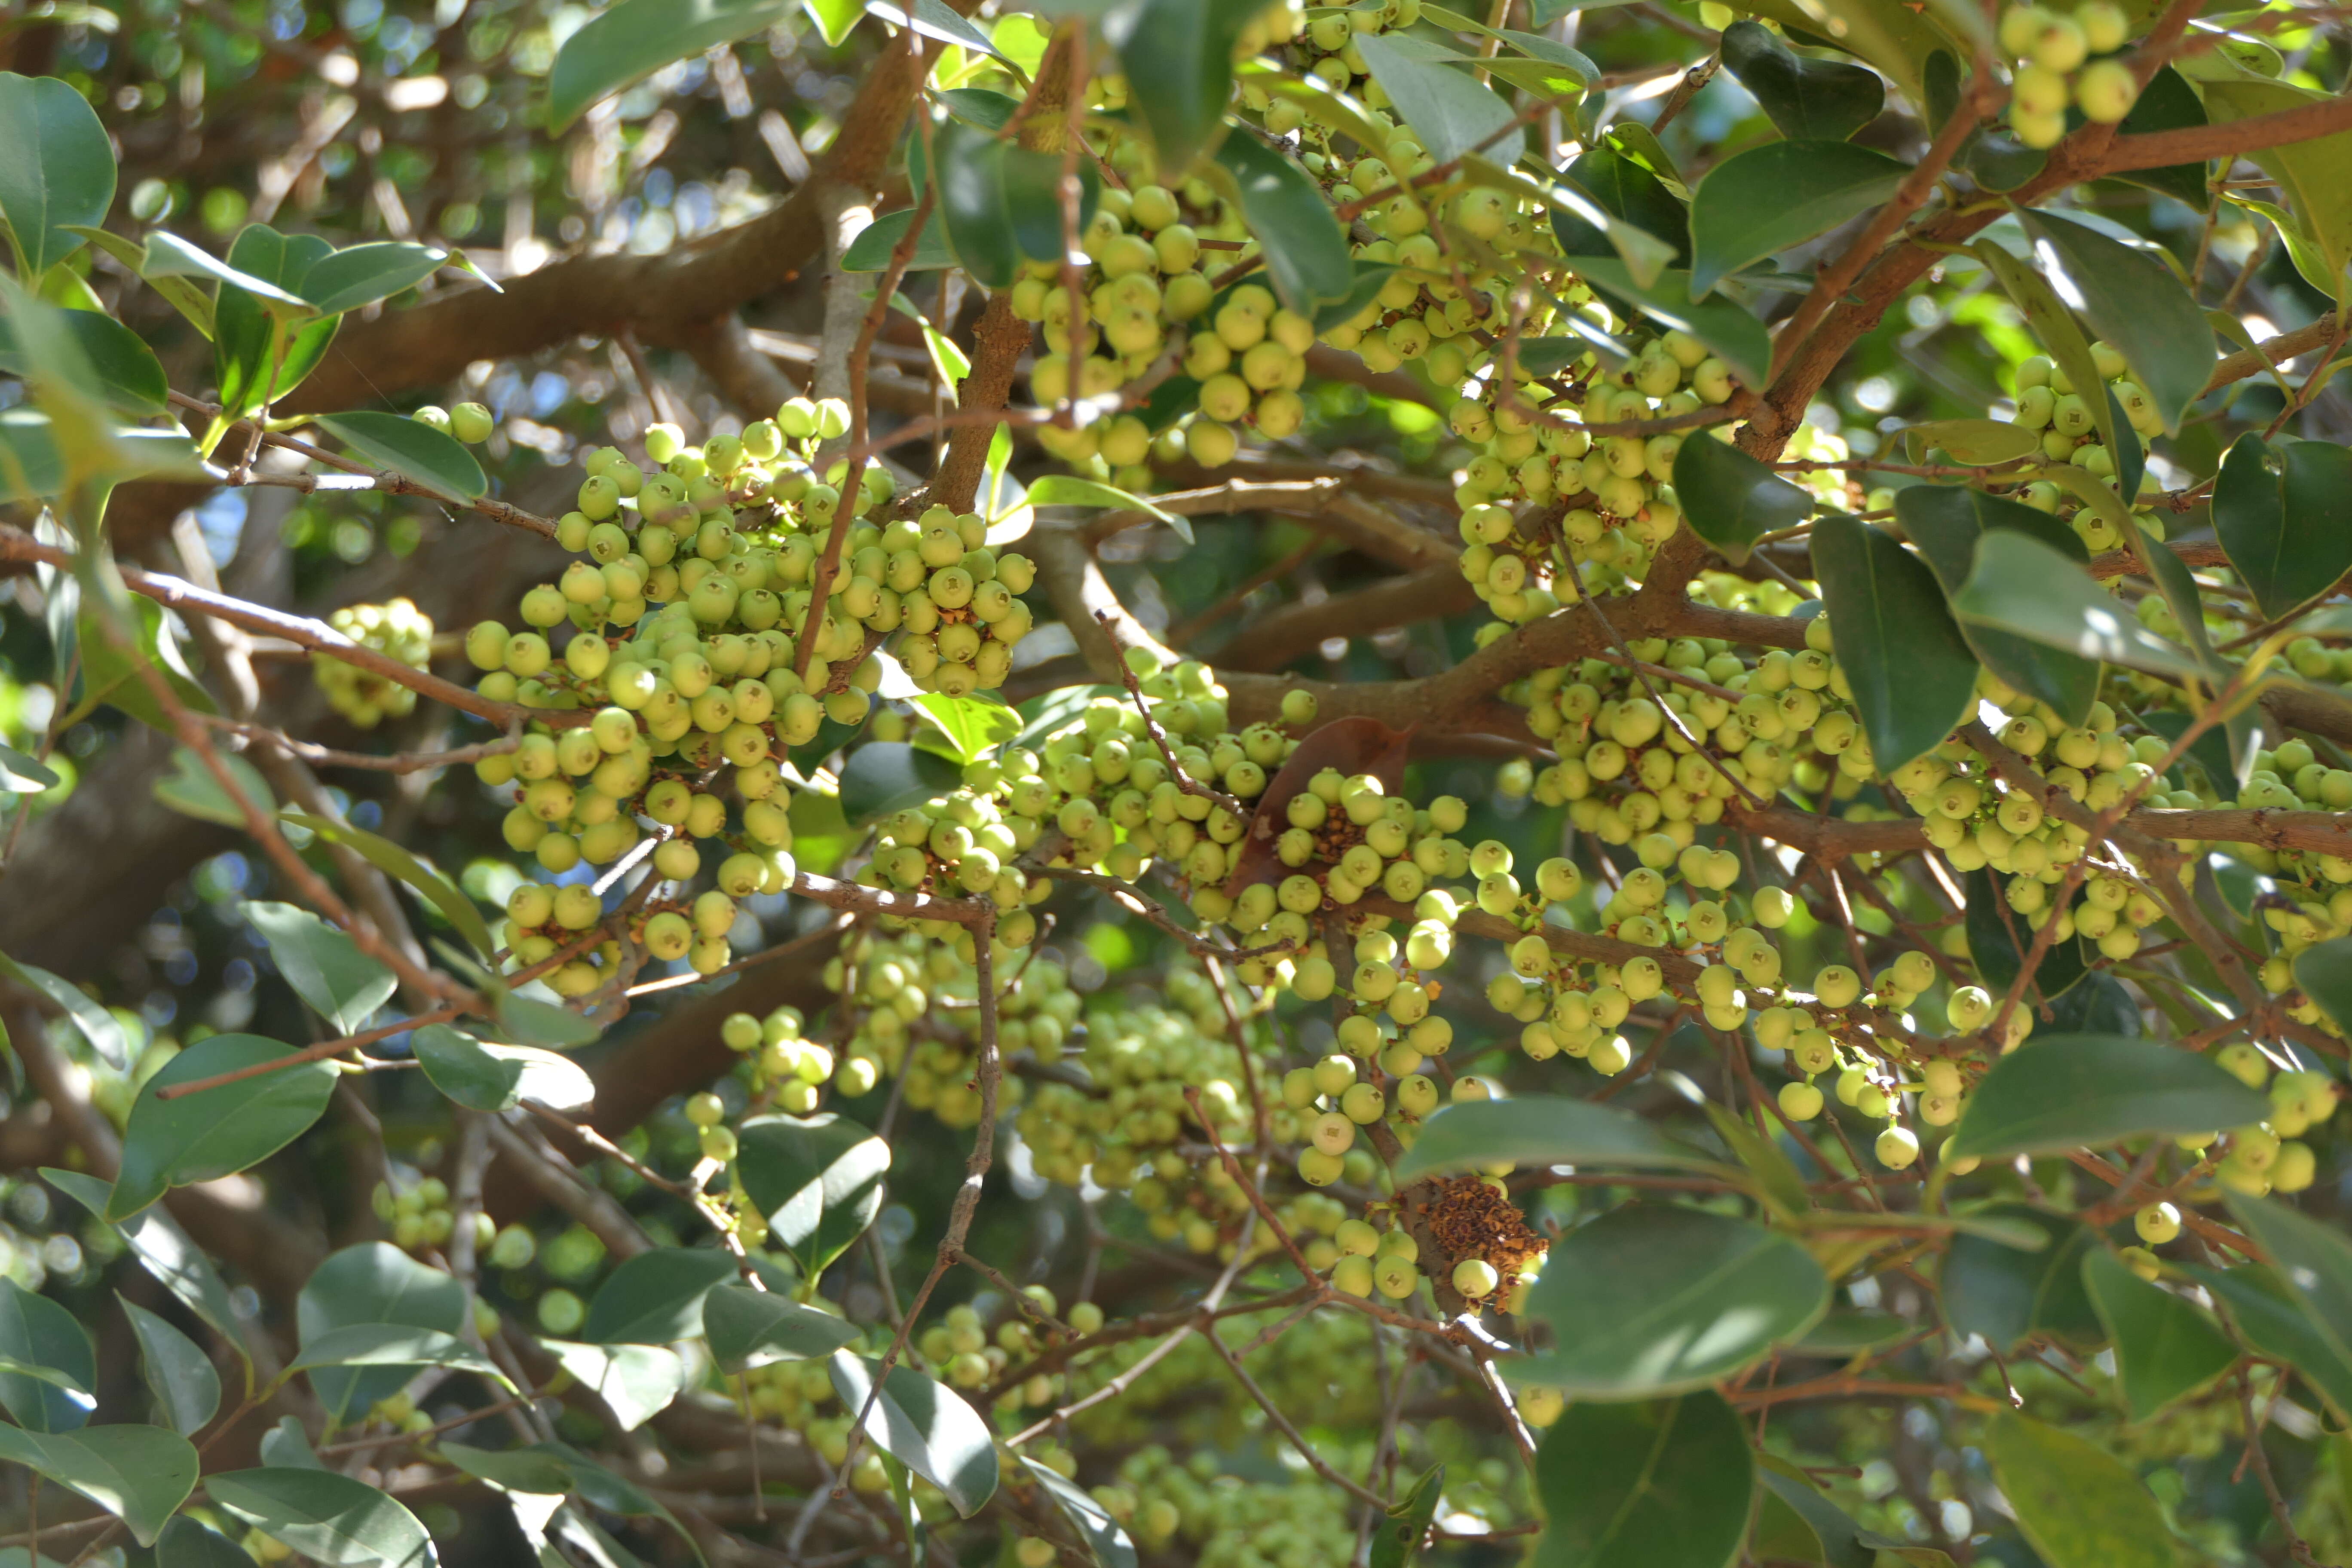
column 1800, row 1101
column 1897, row 1148
column 1476, row 1278
column 471, row 423
column 2157, row 1224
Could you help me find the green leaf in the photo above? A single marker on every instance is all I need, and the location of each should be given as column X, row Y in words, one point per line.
column 2311, row 1257
column 163, row 1249
column 2169, row 103
column 323, row 965
column 190, row 789
column 1777, row 1183
column 499, row 1077
column 1068, row 489
column 434, row 459
column 1850, row 1333
column 327, row 1518
column 924, row 1426
column 21, row 775
column 2284, row 514
column 139, row 1474
column 288, row 1444
column 2166, row 1348
column 1653, row 1300
column 1977, row 443
column 2310, row 172
column 394, row 861
column 1798, row 1523
column 2006, row 1292
column 1775, row 197
column 1914, row 676
column 1447, row 107
column 656, row 1298
column 970, row 181
column 1661, row 1485
column 179, row 292
column 834, row 18
column 818, row 1179
column 1102, row 1534
column 1996, row 950
column 1178, row 56
column 870, row 251
column 1307, row 257
column 534, row 1470
column 33, row 468
column 635, row 38
column 169, row 255
column 215, row 1131
column 360, row 275
column 934, row 20
column 637, row 1383
column 2269, row 1318
column 538, row 1023
column 179, row 1374
column 393, row 1345
column 128, row 375
column 2132, row 300
column 373, row 1283
column 1730, row 500
column 2079, row 1506
column 2052, row 323
column 2023, row 586
column 2083, row 1091
column 38, row 1334
column 59, row 173
column 259, row 352
column 1543, row 1129
column 185, row 1543
column 2324, row 972
column 1945, row 521
column 750, row 1328
column 1398, row 1540
column 966, row 729
column 100, row 1027
column 884, row 776
column 1730, row 330
column 1807, row 100
column 110, row 674
column 1628, row 192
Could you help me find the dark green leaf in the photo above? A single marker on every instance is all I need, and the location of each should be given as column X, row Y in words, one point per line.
column 2284, row 514
column 395, row 861
column 2005, row 1292
column 635, row 38
column 1662, row 1484
column 1179, row 59
column 1914, row 676
column 2167, row 103
column 750, row 1328
column 2062, row 1092
column 1998, row 950
column 870, row 251
column 190, row 789
column 163, row 1249
column 925, row 1426
column 329, row 1518
column 261, row 352
column 110, row 673
column 38, row 1334
column 2133, row 301
column 100, row 1027
column 288, row 1444
column 139, row 1474
column 2270, row 1319
column 2099, row 1006
column 1653, row 1300
column 21, row 775
column 128, row 375
column 372, row 1283
column 361, row 274
column 2311, row 1257
column 655, row 1296
column 1777, row 1183
column 1306, row 257
column 60, row 170
column 2080, row 1506
column 1835, row 1538
column 1370, row 278
column 1807, row 100
column 1445, row 107
column 436, row 460
column 393, row 1345
column 637, row 1383
column 179, row 1374
column 972, row 203
column 818, row 1179
column 1850, row 1333
column 535, row 1469
column 2052, row 323
column 182, row 294
column 185, row 1543
column 499, row 1077
column 323, row 965
column 1541, row 1130
column 538, row 1023
column 1629, row 193
column 2023, row 586
column 215, row 1131
column 1103, row 1535
column 2165, row 1347
column 1775, row 197
column 1730, row 500
column 2324, row 972
column 884, row 776
column 2309, row 170
column 1730, row 330
column 1945, row 522
column 1397, row 1542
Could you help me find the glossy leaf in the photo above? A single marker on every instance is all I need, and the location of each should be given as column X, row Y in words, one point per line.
column 373, row 1283
column 2310, row 172
column 2311, row 1257
column 215, row 1131
column 1662, row 1484
column 884, row 776
column 1543, row 1129
column 59, row 171
column 2006, row 1292
column 179, row 1374
column 139, row 1474
column 924, row 1426
column 128, row 375
column 655, row 1296
column 1307, row 257
column 288, row 1444
column 933, row 19
column 969, row 182
column 965, row 728
column 1104, row 1536
column 872, row 249
column 21, row 775
column 261, row 352
column 1775, row 197
column 818, row 1179
column 2166, row 1347
column 750, row 1328
column 360, row 275
column 1806, row 99
column 2052, row 324
column 180, row 293
column 1730, row 330
column 38, row 1334
column 1914, row 676
column 2078, row 1505
column 1629, row 193
column 2284, row 514
column 102, row 1031
column 190, row 789
column 493, row 1078
column 1653, row 1300
column 546, row 1022
column 1798, row 1523
column 327, row 1518
column 323, row 965
column 185, row 1543
column 163, row 1249
column 1945, row 521
column 2324, row 972
column 386, row 856
column 2062, row 1092
column 1065, row 490
column 637, row 1383
column 1178, row 56
column 169, row 255
column 434, row 459
column 1998, row 937
column 2132, row 300
column 1730, row 500
column 633, row 39
column 393, row 1345
column 2025, row 587
column 2269, row 1318
column 1446, row 107
column 2169, row 103
column 1397, row 1540
column 1978, row 443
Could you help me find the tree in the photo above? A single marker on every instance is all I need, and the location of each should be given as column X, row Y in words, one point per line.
column 1175, row 782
